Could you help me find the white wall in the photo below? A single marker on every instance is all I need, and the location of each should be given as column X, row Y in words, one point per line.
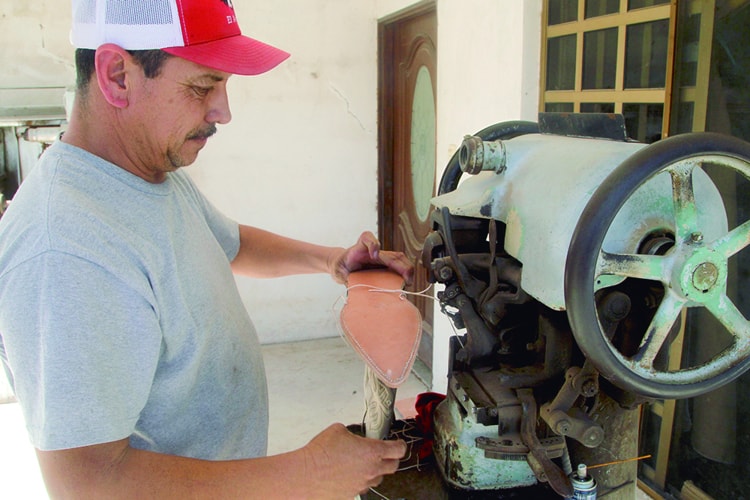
column 33, row 44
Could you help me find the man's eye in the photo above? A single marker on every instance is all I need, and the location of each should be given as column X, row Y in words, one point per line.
column 201, row 91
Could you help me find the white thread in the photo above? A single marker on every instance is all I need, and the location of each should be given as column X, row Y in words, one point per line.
column 378, row 494
column 400, row 291
column 410, row 440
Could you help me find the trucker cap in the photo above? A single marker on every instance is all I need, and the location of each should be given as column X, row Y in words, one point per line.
column 202, row 31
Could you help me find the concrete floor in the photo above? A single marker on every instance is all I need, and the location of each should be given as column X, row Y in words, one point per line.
column 311, row 385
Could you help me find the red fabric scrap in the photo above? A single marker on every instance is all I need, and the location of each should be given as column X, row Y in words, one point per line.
column 425, row 406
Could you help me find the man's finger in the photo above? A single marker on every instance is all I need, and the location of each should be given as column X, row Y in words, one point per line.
column 393, row 450
column 390, row 466
column 371, row 243
column 399, row 263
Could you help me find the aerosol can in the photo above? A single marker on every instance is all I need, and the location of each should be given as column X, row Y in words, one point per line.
column 584, row 486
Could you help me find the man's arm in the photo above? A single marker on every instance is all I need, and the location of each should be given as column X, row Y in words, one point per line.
column 335, row 464
column 267, row 255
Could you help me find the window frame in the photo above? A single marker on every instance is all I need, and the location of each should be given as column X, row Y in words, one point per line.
column 619, row 95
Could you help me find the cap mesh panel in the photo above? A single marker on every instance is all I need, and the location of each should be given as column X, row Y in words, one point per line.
column 85, row 11
column 146, row 12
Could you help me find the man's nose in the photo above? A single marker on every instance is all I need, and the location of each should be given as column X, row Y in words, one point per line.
column 219, row 111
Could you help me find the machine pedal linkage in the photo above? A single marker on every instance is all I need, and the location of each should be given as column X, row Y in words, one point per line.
column 543, row 466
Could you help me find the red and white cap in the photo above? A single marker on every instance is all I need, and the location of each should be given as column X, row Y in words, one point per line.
column 202, row 31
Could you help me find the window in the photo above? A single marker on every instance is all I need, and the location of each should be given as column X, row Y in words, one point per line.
column 609, row 56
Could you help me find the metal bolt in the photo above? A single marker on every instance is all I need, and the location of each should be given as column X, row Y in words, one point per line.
column 562, row 427
column 588, row 388
column 593, row 436
column 697, row 237
column 445, row 273
column 705, row 276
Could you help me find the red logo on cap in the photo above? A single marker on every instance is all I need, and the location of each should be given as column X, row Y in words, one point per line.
column 207, row 21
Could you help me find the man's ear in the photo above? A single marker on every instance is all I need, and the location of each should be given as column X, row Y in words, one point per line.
column 112, row 74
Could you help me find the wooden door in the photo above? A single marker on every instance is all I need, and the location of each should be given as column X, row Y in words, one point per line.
column 407, row 123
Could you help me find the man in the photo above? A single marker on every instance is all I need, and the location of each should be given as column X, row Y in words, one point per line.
column 121, row 329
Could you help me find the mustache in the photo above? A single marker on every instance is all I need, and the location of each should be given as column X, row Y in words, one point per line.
column 203, row 133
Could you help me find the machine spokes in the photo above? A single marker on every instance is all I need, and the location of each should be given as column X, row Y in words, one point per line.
column 735, row 322
column 732, row 242
column 683, row 194
column 658, row 331
column 647, row 267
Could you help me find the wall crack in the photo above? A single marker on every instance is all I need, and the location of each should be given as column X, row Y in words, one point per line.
column 348, row 106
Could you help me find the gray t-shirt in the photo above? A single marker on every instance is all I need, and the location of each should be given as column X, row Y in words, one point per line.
column 120, row 317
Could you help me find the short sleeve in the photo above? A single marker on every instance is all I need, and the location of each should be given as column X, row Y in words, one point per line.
column 225, row 230
column 84, row 347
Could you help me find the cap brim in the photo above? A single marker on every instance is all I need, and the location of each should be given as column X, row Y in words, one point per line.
column 239, row 55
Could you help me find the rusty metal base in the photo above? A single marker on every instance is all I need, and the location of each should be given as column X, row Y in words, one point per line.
column 421, row 479
column 463, row 464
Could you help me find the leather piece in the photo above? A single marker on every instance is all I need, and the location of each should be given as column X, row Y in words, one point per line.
column 383, row 327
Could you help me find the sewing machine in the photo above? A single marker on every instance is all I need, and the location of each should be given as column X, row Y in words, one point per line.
column 575, row 264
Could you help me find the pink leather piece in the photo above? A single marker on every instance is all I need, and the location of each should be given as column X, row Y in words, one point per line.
column 383, row 327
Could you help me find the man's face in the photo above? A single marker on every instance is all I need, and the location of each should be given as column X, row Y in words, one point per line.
column 174, row 114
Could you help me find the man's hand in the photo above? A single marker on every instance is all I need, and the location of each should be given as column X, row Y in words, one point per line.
column 366, row 253
column 339, row 464
column 335, row 464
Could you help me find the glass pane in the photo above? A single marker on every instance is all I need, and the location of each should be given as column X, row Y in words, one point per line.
column 646, row 55
column 596, row 8
column 561, row 11
column 599, row 59
column 682, row 118
column 686, row 59
column 639, row 4
column 649, row 435
column 561, row 63
column 729, row 94
column 643, row 121
column 597, row 107
column 423, row 143
column 559, row 107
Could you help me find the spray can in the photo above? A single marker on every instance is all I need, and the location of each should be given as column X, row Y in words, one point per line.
column 584, row 486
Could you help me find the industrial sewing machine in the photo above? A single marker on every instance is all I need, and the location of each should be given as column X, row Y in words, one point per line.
column 576, row 265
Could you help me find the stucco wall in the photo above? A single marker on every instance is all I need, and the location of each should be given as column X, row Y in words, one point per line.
column 33, row 44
